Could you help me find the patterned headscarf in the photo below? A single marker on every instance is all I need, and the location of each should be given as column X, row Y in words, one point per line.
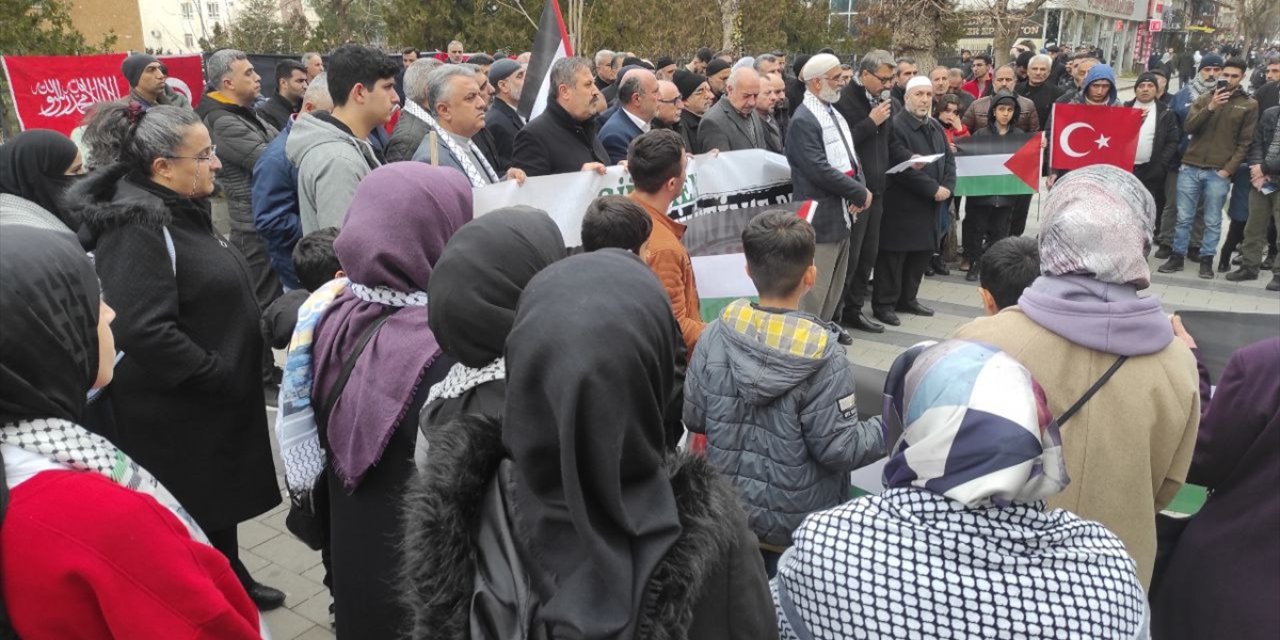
column 1098, row 222
column 975, row 426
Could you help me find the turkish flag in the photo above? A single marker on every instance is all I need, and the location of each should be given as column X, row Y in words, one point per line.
column 1085, row 134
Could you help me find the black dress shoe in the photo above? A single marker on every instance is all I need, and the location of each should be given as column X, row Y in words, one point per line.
column 267, row 598
column 861, row 322
column 1206, row 267
column 887, row 316
column 972, row 276
column 938, row 266
column 1164, row 252
column 1274, row 285
column 915, row 308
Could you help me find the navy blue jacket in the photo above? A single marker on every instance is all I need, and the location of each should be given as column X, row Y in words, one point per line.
column 276, row 216
column 616, row 135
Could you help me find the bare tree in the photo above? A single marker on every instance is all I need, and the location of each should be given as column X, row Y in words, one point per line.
column 1008, row 20
column 730, row 19
column 1258, row 20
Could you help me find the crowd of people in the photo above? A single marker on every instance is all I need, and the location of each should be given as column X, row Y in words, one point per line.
column 486, row 436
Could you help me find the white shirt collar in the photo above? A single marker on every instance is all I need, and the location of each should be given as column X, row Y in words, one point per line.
column 644, row 126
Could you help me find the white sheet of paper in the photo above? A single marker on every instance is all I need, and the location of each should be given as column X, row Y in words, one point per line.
column 918, row 160
column 871, row 477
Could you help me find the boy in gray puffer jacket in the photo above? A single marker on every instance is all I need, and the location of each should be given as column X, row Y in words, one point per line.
column 772, row 390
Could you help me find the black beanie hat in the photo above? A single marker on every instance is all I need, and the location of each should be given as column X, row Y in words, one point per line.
column 1146, row 76
column 716, row 66
column 134, row 65
column 687, row 82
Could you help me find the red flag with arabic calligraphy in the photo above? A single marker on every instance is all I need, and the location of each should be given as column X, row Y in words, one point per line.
column 55, row 92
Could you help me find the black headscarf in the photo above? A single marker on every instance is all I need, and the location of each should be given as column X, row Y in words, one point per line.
column 33, row 165
column 477, row 282
column 48, row 327
column 590, row 364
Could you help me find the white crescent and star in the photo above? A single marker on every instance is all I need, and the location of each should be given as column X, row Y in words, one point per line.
column 1066, row 133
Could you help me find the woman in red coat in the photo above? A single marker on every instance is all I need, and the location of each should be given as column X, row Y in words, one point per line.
column 91, row 545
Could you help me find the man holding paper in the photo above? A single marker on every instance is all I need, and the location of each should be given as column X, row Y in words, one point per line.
column 827, row 177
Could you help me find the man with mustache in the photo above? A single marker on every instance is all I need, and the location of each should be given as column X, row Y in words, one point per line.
column 563, row 138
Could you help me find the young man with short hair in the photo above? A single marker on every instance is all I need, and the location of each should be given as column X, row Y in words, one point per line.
column 332, row 150
column 773, row 390
column 291, row 83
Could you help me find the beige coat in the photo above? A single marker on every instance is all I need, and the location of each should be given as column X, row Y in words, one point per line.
column 1129, row 447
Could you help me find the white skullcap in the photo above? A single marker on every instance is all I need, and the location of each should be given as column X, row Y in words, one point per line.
column 917, row 82
column 818, row 65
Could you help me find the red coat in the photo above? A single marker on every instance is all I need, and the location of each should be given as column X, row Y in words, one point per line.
column 977, row 91
column 84, row 558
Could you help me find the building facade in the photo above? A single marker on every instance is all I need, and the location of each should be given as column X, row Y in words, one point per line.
column 97, row 19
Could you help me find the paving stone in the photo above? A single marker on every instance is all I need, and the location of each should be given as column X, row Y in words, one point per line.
column 254, row 533
column 252, row 561
column 285, row 624
column 315, row 574
column 296, row 588
column 288, row 552
column 315, row 608
column 318, row 632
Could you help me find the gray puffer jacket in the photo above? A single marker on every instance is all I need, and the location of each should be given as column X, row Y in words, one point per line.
column 241, row 137
column 774, row 394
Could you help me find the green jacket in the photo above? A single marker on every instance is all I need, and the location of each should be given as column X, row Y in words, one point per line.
column 1220, row 139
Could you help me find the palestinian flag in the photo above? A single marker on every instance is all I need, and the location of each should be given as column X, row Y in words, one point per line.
column 550, row 44
column 1007, row 165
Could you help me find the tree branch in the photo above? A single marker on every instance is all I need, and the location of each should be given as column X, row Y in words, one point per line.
column 518, row 6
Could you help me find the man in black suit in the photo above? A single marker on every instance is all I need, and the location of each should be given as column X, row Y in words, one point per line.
column 503, row 120
column 866, row 108
column 562, row 139
column 732, row 124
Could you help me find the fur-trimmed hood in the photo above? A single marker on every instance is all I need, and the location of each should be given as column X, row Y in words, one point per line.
column 444, row 511
column 106, row 199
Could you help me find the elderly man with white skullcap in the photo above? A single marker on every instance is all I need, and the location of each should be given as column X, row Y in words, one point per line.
column 916, row 202
column 825, row 172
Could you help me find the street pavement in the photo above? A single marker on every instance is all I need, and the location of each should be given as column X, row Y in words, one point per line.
column 278, row 559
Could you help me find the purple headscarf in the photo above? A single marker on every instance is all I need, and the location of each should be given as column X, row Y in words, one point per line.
column 399, row 221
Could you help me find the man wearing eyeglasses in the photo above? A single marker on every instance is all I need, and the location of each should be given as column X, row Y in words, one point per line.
column 866, row 107
column 669, row 107
column 146, row 76
column 696, row 96
column 827, row 169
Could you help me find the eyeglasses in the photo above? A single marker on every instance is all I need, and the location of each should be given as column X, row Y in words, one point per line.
column 675, row 100
column 882, row 79
column 213, row 151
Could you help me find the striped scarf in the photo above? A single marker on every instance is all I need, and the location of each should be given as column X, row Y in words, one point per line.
column 464, row 158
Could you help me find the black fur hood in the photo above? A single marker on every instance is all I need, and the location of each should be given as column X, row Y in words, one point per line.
column 105, row 200
column 443, row 512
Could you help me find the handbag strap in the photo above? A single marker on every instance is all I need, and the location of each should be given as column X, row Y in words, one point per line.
column 322, row 413
column 1066, row 415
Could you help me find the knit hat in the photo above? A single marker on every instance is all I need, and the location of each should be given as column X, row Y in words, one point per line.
column 1146, row 76
column 134, row 65
column 818, row 65
column 687, row 82
column 501, row 69
column 1098, row 221
column 1210, row 60
column 716, row 66
column 664, row 61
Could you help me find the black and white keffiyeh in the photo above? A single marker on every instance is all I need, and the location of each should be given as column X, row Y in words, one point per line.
column 462, row 379
column 914, row 564
column 389, row 297
column 464, row 158
column 69, row 444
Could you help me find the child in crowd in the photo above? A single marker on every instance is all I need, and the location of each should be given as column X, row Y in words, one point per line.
column 1008, row 267
column 772, row 389
column 616, row 222
column 992, row 215
column 315, row 263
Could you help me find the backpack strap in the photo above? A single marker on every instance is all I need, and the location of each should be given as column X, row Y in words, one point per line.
column 1067, row 415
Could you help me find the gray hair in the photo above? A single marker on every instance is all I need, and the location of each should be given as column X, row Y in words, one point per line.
column 219, row 65
column 765, row 57
column 453, row 42
column 111, row 138
column 736, row 75
column 104, row 130
column 1040, row 58
column 317, row 92
column 306, row 57
column 563, row 72
column 905, row 60
column 415, row 79
column 602, row 54
column 438, row 82
column 874, row 59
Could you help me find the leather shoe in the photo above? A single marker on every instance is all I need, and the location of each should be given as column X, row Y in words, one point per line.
column 267, row 598
column 1242, row 274
column 1274, row 285
column 939, row 266
column 915, row 308
column 861, row 322
column 1164, row 252
column 972, row 276
column 887, row 316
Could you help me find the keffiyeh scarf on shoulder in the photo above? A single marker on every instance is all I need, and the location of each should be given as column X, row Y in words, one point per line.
column 296, row 428
column 72, row 445
column 468, row 167
column 835, row 134
column 462, row 379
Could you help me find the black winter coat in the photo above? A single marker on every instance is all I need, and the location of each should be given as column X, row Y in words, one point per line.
column 503, row 123
column 910, row 221
column 554, row 143
column 460, row 552
column 277, row 111
column 187, row 394
column 877, row 148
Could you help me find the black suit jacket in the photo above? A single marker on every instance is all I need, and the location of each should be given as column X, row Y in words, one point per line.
column 554, row 142
column 877, row 148
column 276, row 111
column 503, row 123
